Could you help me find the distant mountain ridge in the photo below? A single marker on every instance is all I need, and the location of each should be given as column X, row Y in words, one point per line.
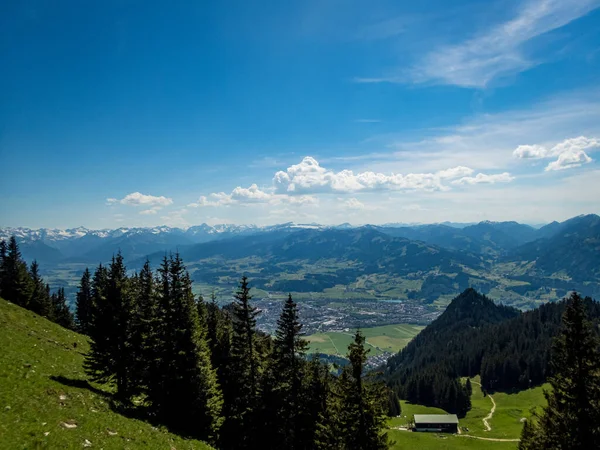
column 515, row 263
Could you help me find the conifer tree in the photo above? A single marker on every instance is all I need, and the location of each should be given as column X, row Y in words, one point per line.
column 83, row 305
column 245, row 365
column 110, row 328
column 3, row 255
column 145, row 329
column 191, row 399
column 572, row 418
column 363, row 416
column 315, row 392
column 288, row 370
column 16, row 282
column 60, row 313
column 39, row 302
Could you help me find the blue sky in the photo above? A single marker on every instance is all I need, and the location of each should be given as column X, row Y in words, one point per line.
column 131, row 113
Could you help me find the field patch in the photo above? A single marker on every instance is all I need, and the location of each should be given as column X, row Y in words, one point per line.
column 387, row 338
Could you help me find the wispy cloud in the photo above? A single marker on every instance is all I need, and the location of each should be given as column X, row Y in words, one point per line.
column 493, row 53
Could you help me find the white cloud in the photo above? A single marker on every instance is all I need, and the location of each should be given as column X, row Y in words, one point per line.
column 139, row 199
column 353, row 203
column 251, row 195
column 309, row 177
column 570, row 152
column 459, row 171
column 530, row 152
column 146, row 212
column 497, row 51
column 485, row 179
column 176, row 218
column 569, row 159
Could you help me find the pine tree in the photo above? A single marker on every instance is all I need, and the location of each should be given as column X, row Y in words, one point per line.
column 572, row 418
column 245, row 367
column 39, row 302
column 60, row 312
column 3, row 255
column 191, row 399
column 83, row 305
column 316, row 392
column 16, row 282
column 363, row 416
column 288, row 370
column 110, row 328
column 145, row 330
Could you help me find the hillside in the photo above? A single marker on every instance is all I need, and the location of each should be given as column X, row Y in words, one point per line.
column 45, row 400
column 509, row 349
column 572, row 251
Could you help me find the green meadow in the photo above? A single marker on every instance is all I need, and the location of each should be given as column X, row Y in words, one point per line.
column 387, row 338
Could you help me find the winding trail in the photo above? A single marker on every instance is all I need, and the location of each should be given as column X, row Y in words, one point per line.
column 489, row 439
column 489, row 416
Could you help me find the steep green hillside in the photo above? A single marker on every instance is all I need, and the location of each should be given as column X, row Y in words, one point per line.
column 45, row 401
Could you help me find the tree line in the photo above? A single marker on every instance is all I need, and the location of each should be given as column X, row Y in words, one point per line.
column 25, row 287
column 509, row 349
column 207, row 372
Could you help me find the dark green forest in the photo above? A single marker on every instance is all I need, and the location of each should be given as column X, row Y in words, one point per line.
column 511, row 351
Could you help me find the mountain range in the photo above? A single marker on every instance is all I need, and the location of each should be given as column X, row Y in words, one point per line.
column 513, row 262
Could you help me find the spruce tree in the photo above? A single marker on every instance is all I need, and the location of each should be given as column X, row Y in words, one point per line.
column 363, row 415
column 191, row 399
column 3, row 255
column 39, row 302
column 316, row 391
column 145, row 329
column 245, row 367
column 110, row 328
column 16, row 282
column 60, row 312
column 571, row 420
column 288, row 369
column 83, row 305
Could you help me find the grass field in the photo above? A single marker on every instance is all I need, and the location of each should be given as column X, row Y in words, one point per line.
column 45, row 401
column 387, row 338
column 505, row 422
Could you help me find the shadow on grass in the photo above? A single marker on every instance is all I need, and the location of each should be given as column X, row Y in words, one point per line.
column 81, row 384
column 126, row 409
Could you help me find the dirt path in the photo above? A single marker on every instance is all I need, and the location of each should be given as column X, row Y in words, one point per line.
column 490, row 439
column 489, row 416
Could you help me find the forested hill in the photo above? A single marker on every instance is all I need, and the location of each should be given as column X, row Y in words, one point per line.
column 509, row 349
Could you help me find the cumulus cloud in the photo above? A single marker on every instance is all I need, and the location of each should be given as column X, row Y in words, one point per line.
column 482, row 178
column 530, row 152
column 139, row 199
column 251, row 195
column 309, row 177
column 570, row 152
column 568, row 160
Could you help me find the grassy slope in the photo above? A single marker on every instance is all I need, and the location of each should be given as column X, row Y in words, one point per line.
column 33, row 405
column 388, row 338
column 505, row 423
